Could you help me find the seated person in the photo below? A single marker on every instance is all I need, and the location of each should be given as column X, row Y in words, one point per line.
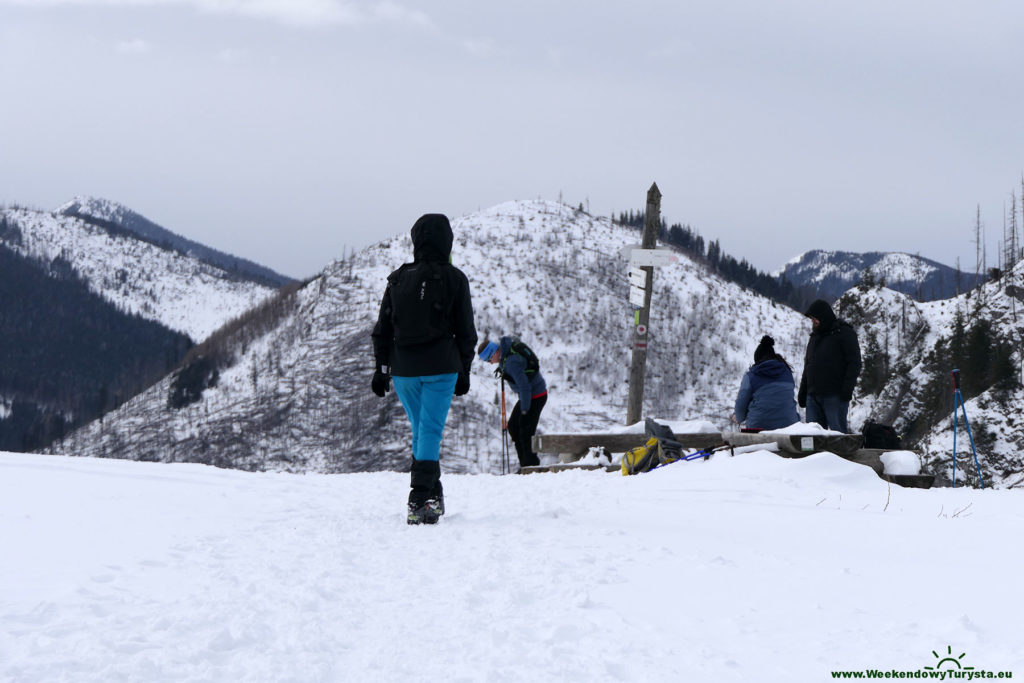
column 765, row 400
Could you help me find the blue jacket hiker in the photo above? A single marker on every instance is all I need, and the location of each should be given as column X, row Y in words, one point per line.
column 424, row 340
column 518, row 365
column 765, row 399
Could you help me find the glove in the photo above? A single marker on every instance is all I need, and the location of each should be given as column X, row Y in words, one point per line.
column 462, row 384
column 381, row 381
column 802, row 403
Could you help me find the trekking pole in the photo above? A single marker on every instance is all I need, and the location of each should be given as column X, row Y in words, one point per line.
column 958, row 400
column 506, row 468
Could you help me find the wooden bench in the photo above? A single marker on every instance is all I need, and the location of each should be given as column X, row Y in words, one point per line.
column 797, row 445
column 572, row 447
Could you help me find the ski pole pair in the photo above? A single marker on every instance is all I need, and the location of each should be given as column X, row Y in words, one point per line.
column 958, row 400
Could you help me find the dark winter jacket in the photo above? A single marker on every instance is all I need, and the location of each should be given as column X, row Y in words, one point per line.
column 512, row 368
column 832, row 362
column 765, row 399
column 451, row 352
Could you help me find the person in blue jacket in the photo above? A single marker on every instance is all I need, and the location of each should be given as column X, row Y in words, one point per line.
column 518, row 365
column 766, row 397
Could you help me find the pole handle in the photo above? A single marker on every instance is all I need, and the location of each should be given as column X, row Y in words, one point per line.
column 956, row 380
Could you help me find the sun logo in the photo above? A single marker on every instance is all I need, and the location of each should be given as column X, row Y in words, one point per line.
column 952, row 662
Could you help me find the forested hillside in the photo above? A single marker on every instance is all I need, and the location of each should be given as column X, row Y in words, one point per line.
column 67, row 355
column 910, row 349
column 91, row 313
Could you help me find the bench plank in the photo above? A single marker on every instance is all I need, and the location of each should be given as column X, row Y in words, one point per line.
column 613, row 443
column 566, row 467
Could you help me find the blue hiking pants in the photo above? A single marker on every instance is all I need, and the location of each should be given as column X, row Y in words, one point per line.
column 426, row 401
column 828, row 411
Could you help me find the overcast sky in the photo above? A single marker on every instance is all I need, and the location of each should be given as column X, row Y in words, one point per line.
column 285, row 130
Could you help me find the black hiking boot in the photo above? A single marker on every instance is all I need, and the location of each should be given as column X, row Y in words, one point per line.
column 426, row 499
column 426, row 513
column 438, row 497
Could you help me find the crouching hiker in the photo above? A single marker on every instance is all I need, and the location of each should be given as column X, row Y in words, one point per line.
column 423, row 340
column 766, row 397
column 518, row 365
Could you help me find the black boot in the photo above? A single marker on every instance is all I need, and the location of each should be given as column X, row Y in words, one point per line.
column 424, row 506
column 438, row 495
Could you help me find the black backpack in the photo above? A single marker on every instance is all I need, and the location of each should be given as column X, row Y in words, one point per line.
column 419, row 303
column 521, row 349
column 880, row 436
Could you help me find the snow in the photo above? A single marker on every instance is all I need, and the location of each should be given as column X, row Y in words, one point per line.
column 803, row 429
column 743, row 568
column 677, row 427
column 901, row 462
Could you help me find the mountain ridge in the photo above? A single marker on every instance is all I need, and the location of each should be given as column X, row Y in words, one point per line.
column 291, row 393
column 831, row 273
column 138, row 307
column 136, row 275
column 106, row 213
column 297, row 398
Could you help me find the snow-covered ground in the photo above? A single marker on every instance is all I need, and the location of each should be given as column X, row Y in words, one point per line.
column 745, row 568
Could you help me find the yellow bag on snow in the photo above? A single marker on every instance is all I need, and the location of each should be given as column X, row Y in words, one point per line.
column 646, row 457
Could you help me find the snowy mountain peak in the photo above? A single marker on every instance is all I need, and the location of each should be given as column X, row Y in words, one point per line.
column 103, row 209
column 140, row 275
column 831, row 273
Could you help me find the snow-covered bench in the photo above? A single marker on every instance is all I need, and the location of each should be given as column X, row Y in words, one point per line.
column 571, row 447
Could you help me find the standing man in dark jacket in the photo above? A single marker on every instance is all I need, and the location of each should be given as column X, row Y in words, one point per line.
column 424, row 340
column 518, row 365
column 831, row 367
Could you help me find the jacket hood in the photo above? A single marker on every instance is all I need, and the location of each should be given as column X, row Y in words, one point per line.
column 432, row 238
column 823, row 312
column 505, row 344
column 771, row 369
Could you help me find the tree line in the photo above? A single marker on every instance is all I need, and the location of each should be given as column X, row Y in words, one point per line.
column 684, row 238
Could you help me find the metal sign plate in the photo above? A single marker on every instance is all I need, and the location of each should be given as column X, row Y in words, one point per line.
column 637, row 277
column 652, row 257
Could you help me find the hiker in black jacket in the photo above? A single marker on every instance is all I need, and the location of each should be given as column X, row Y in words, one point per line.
column 831, row 367
column 424, row 340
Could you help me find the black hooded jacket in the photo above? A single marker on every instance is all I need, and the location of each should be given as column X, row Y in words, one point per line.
column 451, row 352
column 832, row 362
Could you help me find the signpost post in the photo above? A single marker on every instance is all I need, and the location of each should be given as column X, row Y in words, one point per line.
column 643, row 261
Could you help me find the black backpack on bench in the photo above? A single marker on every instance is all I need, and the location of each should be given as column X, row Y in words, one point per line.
column 880, row 436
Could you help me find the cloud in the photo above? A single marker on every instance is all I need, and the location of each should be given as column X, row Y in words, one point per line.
column 134, row 46
column 230, row 55
column 484, row 48
column 390, row 11
column 303, row 13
